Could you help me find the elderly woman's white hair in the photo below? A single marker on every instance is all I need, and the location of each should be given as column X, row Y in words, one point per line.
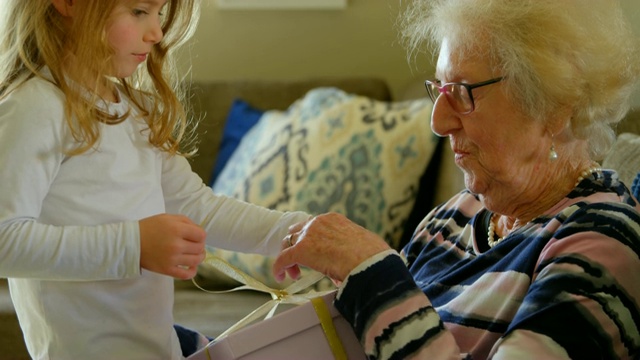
column 553, row 53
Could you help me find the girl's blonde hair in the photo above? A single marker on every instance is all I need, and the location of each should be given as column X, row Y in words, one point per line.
column 552, row 53
column 32, row 37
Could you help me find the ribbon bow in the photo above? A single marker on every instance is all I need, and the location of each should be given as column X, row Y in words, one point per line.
column 289, row 295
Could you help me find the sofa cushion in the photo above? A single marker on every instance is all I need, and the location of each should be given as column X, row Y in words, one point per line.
column 624, row 157
column 333, row 151
column 242, row 117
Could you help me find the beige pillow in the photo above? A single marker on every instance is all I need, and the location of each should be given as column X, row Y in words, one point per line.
column 624, row 157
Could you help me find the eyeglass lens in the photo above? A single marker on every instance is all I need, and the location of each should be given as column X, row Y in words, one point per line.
column 457, row 95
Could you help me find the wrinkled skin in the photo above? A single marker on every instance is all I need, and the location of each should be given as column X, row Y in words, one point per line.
column 328, row 243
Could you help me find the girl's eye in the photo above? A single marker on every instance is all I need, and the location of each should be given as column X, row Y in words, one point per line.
column 139, row 12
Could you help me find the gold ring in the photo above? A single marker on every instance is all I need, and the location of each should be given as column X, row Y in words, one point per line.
column 289, row 237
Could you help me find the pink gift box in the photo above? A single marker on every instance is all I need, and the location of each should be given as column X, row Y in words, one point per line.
column 296, row 333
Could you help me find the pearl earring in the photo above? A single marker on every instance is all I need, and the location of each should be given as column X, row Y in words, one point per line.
column 553, row 155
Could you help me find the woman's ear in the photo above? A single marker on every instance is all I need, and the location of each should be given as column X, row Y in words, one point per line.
column 561, row 120
column 64, row 7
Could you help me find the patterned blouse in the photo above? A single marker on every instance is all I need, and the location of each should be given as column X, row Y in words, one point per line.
column 565, row 285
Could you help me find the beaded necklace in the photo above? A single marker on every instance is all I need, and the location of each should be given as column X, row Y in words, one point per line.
column 491, row 232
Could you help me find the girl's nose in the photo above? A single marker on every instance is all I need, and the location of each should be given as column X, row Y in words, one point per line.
column 444, row 120
column 154, row 34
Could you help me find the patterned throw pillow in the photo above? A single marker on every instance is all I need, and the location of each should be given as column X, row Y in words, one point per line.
column 332, row 151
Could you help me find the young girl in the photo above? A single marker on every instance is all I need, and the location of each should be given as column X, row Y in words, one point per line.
column 99, row 209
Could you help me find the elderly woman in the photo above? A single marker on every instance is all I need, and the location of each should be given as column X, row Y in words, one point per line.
column 540, row 255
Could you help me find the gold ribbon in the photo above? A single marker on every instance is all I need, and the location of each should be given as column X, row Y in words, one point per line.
column 289, row 295
column 326, row 321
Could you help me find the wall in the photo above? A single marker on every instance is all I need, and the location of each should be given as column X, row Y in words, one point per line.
column 360, row 40
column 292, row 44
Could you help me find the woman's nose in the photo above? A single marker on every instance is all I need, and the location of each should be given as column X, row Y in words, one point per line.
column 444, row 120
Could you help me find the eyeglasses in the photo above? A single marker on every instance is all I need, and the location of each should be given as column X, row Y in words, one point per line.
column 458, row 95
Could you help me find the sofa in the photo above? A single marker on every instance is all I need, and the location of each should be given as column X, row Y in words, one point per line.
column 283, row 150
column 437, row 180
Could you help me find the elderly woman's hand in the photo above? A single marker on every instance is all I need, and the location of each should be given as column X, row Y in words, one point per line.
column 329, row 243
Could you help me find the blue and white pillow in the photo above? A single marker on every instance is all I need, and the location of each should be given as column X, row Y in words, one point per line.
column 333, row 151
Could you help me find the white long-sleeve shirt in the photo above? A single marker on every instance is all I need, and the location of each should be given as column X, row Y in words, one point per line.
column 69, row 235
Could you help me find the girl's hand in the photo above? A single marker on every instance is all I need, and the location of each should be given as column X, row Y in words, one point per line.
column 171, row 245
column 329, row 243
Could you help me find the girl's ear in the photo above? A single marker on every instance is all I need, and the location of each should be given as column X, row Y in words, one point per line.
column 64, row 7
